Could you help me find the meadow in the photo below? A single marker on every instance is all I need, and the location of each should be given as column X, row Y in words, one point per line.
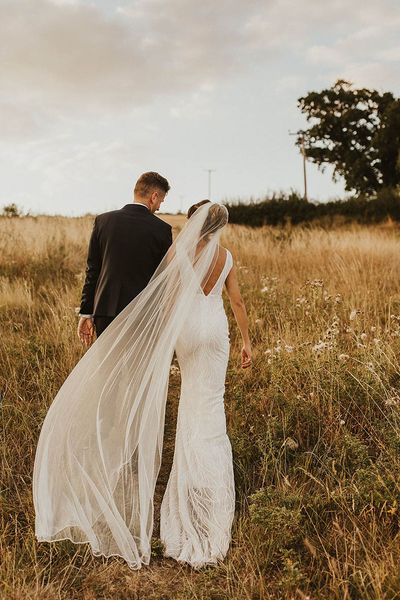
column 314, row 424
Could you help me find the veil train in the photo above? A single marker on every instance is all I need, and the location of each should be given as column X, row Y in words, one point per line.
column 99, row 449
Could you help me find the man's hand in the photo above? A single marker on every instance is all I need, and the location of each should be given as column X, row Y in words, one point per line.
column 86, row 330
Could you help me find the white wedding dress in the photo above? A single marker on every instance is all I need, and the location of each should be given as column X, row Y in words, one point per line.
column 198, row 505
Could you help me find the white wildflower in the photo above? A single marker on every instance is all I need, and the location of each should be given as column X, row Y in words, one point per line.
column 392, row 401
column 343, row 357
column 363, row 336
column 319, row 346
column 353, row 314
column 290, row 443
column 315, row 282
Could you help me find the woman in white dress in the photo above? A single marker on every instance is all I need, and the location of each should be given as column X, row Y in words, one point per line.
column 198, row 506
column 99, row 450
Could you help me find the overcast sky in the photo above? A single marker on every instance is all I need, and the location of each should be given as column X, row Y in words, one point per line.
column 93, row 93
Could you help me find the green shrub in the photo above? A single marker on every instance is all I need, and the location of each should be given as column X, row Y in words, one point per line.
column 292, row 208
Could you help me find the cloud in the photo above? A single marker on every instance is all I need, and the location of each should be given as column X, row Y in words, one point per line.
column 65, row 60
column 365, row 52
column 68, row 60
column 68, row 54
column 372, row 74
column 75, row 59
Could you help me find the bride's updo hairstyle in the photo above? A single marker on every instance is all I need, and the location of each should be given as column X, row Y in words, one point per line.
column 194, row 207
column 217, row 217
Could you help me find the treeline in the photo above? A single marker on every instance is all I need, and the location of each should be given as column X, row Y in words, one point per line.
column 293, row 209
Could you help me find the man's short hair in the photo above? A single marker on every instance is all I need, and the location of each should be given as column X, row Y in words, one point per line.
column 148, row 182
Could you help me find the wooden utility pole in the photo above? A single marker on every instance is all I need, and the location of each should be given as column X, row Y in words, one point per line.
column 303, row 152
column 209, row 171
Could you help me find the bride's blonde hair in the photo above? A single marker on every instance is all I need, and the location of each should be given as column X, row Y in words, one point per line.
column 217, row 217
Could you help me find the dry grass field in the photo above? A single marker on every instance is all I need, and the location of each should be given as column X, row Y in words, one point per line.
column 314, row 425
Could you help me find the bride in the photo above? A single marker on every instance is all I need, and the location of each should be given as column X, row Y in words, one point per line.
column 99, row 449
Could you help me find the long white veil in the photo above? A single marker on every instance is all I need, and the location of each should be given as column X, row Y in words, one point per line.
column 99, row 449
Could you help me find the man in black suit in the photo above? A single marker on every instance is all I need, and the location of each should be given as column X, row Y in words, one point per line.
column 126, row 246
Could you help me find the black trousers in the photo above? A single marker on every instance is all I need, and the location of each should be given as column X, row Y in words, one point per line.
column 101, row 323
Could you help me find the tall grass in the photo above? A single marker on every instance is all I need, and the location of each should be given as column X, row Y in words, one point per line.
column 314, row 424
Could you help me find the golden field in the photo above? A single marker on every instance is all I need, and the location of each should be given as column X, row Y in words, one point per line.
column 314, row 425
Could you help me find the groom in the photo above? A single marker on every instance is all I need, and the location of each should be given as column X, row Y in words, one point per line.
column 125, row 248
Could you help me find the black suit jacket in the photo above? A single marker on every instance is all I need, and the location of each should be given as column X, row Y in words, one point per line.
column 126, row 246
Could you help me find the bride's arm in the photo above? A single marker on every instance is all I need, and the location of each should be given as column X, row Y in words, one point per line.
column 239, row 310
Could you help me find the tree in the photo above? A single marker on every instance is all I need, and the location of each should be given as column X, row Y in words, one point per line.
column 357, row 131
column 11, row 210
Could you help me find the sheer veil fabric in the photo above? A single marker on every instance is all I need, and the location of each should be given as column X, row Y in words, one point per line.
column 99, row 449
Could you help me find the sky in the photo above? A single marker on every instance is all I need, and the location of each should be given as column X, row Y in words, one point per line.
column 95, row 92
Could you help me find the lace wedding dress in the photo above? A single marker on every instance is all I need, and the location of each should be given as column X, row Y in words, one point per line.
column 198, row 505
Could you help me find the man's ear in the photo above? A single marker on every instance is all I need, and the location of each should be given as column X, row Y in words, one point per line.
column 153, row 198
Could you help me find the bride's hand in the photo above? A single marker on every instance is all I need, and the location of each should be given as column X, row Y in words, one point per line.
column 246, row 356
column 86, row 330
